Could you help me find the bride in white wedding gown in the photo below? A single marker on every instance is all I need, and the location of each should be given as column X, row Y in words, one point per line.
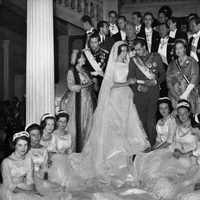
column 116, row 135
column 117, row 132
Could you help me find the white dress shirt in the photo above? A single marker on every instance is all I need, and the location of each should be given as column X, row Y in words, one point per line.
column 172, row 34
column 162, row 49
column 137, row 28
column 149, row 33
column 123, row 35
column 113, row 29
column 194, row 44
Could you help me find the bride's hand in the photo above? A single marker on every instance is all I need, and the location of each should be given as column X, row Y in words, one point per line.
column 131, row 81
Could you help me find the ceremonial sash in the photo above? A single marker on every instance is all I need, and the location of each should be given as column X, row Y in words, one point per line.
column 143, row 68
column 94, row 64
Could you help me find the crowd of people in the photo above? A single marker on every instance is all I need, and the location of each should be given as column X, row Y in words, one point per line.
column 128, row 125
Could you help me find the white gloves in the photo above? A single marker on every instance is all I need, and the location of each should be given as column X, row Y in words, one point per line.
column 185, row 94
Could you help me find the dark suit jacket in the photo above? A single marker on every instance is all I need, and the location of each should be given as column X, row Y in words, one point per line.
column 108, row 43
column 198, row 49
column 153, row 93
column 179, row 35
column 155, row 39
column 117, row 37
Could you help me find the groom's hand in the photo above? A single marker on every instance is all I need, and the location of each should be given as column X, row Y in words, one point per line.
column 150, row 83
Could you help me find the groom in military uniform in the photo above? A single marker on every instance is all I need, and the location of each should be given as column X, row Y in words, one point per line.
column 149, row 71
column 96, row 61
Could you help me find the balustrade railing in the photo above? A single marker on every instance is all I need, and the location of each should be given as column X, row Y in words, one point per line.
column 93, row 8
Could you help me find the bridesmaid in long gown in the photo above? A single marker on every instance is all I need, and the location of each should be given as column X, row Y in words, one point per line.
column 79, row 102
column 160, row 173
column 17, row 170
column 39, row 155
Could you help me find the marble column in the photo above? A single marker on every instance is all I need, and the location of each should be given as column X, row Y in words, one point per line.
column 6, row 67
column 39, row 60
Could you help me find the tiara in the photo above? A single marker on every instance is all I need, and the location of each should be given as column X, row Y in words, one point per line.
column 46, row 116
column 22, row 133
column 61, row 112
column 185, row 104
column 27, row 126
column 163, row 98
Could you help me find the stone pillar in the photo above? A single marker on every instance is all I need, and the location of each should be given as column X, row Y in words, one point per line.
column 6, row 70
column 40, row 60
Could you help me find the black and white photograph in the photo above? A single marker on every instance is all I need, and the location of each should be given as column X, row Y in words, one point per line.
column 99, row 100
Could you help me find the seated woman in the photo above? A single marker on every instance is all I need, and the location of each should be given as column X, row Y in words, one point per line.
column 155, row 172
column 17, row 169
column 191, row 181
column 166, row 126
column 47, row 125
column 63, row 138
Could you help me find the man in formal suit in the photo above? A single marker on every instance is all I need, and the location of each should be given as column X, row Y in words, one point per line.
column 165, row 49
column 96, row 61
column 121, row 35
column 130, row 35
column 112, row 16
column 150, row 36
column 174, row 32
column 194, row 43
column 87, row 24
column 103, row 30
column 136, row 20
column 148, row 69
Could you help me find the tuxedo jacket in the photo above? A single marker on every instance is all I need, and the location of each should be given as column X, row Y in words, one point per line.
column 154, row 40
column 179, row 35
column 108, row 43
column 198, row 49
column 153, row 93
column 117, row 37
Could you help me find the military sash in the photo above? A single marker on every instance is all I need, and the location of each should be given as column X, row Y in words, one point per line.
column 143, row 68
column 94, row 64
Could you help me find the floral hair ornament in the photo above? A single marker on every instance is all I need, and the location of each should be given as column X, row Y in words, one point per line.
column 47, row 115
column 183, row 104
column 20, row 134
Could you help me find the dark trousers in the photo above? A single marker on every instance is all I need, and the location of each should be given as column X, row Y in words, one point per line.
column 147, row 114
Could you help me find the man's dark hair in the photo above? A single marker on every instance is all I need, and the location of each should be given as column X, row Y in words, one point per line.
column 100, row 24
column 138, row 14
column 148, row 13
column 165, row 24
column 122, row 17
column 139, row 41
column 95, row 35
column 196, row 19
column 173, row 19
column 112, row 11
column 87, row 18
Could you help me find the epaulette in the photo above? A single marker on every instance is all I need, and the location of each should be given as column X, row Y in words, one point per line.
column 106, row 51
